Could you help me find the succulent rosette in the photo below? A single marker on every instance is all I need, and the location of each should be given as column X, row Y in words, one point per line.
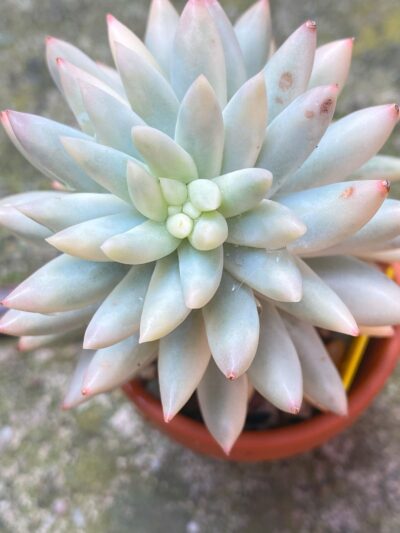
column 209, row 213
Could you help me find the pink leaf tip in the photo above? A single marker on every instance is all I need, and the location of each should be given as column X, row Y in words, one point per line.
column 227, row 448
column 384, row 187
column 85, row 391
column 4, row 115
column 110, row 18
column 231, row 376
column 311, row 25
column 167, row 418
column 295, row 409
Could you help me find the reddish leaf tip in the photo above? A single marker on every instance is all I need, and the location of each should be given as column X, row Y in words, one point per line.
column 231, row 376
column 295, row 409
column 167, row 418
column 311, row 25
column 227, row 448
column 85, row 391
column 110, row 18
column 384, row 186
column 4, row 115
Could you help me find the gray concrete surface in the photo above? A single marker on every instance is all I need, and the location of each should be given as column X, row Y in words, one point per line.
column 101, row 468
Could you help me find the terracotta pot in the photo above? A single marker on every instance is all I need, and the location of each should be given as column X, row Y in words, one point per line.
column 264, row 445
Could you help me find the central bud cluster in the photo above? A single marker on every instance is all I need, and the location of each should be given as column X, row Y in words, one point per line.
column 192, row 212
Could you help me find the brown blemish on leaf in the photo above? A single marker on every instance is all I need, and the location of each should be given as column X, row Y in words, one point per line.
column 309, row 114
column 325, row 106
column 278, row 100
column 347, row 192
column 286, row 81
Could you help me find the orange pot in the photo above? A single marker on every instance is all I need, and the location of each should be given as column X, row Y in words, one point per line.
column 265, row 445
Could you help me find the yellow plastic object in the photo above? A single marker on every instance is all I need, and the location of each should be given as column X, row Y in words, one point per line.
column 356, row 351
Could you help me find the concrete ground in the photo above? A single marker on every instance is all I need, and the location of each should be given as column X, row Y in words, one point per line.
column 101, row 469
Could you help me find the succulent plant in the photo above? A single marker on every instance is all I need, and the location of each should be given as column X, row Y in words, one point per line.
column 209, row 213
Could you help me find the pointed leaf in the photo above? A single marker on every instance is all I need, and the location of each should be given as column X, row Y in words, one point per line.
column 118, row 317
column 84, row 240
column 106, row 166
column 71, row 90
column 351, row 205
column 21, row 225
column 118, row 34
column 145, row 193
column 232, row 346
column 245, row 119
column 149, row 93
column 165, row 158
column 319, row 305
column 63, row 284
column 321, row 380
column 198, row 50
column 273, row 274
column 223, row 405
column 200, row 274
column 112, row 120
column 275, row 371
column 373, row 299
column 300, row 126
column 200, row 128
column 160, row 32
column 30, row 343
column 288, row 71
column 234, row 61
column 74, row 395
column 18, row 223
column 269, row 225
column 56, row 48
column 144, row 243
column 112, row 367
column 332, row 63
column 347, row 144
column 242, row 190
column 379, row 167
column 253, row 31
column 164, row 307
column 65, row 209
column 183, row 359
column 38, row 139
column 20, row 323
column 382, row 227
